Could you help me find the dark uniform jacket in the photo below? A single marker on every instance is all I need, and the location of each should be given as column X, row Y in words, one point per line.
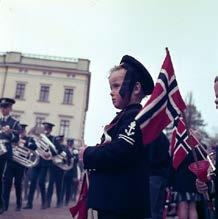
column 13, row 136
column 119, row 174
column 29, row 143
column 159, row 156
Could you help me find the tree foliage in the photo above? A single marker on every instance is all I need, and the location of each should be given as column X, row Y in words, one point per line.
column 193, row 116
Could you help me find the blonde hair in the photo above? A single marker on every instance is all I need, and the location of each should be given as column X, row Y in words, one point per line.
column 116, row 68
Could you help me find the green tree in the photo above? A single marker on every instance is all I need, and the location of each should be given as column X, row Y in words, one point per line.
column 193, row 116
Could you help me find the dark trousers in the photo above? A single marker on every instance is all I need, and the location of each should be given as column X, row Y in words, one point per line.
column 2, row 167
column 38, row 175
column 67, row 188
column 111, row 215
column 157, row 195
column 55, row 177
column 16, row 171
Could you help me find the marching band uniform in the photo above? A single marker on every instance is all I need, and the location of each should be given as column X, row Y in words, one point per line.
column 16, row 171
column 11, row 137
column 39, row 174
column 70, row 175
column 56, row 175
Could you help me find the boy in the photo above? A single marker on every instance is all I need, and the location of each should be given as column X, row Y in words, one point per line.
column 119, row 186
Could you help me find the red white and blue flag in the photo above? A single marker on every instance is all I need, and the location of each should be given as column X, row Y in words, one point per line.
column 164, row 105
column 182, row 142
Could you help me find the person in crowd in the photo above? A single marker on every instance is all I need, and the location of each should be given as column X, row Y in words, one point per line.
column 56, row 175
column 15, row 170
column 9, row 134
column 39, row 172
column 70, row 177
column 119, row 177
column 159, row 173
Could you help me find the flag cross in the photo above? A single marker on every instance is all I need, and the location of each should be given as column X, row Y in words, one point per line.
column 181, row 142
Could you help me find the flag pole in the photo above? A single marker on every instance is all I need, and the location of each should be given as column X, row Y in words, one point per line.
column 188, row 132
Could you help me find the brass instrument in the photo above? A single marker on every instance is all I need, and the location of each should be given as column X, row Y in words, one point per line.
column 24, row 155
column 44, row 145
column 5, row 129
column 61, row 161
column 3, row 148
column 3, row 142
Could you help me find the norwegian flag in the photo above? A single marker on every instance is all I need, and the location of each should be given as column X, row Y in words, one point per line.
column 164, row 105
column 80, row 211
column 182, row 142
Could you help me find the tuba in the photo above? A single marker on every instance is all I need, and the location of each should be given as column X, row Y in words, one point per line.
column 44, row 145
column 24, row 155
column 62, row 161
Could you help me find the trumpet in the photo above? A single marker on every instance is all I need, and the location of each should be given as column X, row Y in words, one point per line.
column 24, row 155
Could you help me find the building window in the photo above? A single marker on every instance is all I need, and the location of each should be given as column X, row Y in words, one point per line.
column 20, row 90
column 68, row 96
column 64, row 127
column 39, row 121
column 44, row 93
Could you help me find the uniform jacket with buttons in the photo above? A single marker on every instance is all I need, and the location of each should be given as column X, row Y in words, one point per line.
column 119, row 169
column 13, row 136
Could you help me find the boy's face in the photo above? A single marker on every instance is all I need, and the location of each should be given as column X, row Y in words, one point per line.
column 115, row 80
column 5, row 110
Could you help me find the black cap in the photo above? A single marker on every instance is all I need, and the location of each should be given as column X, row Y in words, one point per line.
column 141, row 72
column 23, row 126
column 48, row 124
column 5, row 102
column 70, row 140
column 59, row 138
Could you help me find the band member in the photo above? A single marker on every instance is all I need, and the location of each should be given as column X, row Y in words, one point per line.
column 15, row 170
column 56, row 175
column 39, row 173
column 70, row 177
column 210, row 187
column 9, row 133
column 119, row 178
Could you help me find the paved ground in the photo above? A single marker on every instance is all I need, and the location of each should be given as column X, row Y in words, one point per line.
column 36, row 212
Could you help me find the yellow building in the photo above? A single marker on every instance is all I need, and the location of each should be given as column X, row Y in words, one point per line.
column 47, row 88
